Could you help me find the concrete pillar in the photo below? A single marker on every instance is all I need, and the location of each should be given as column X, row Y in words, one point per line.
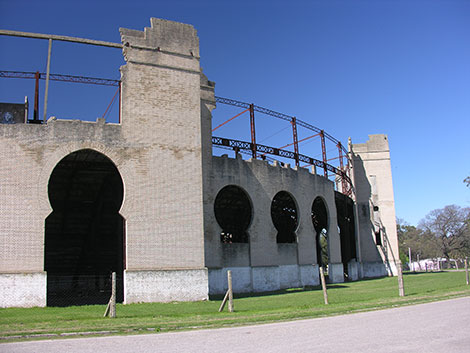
column 336, row 272
column 161, row 111
column 353, row 270
column 372, row 175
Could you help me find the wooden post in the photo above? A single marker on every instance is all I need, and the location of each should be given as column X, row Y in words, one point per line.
column 323, row 285
column 466, row 269
column 401, row 288
column 111, row 308
column 112, row 312
column 409, row 260
column 230, row 292
column 222, row 306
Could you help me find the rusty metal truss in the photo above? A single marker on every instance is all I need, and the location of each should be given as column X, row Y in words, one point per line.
column 263, row 149
column 258, row 150
column 255, row 149
column 63, row 78
column 278, row 115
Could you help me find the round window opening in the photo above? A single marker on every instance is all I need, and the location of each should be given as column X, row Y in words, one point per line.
column 285, row 217
column 232, row 209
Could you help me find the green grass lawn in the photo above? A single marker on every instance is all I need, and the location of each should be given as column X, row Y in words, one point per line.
column 290, row 304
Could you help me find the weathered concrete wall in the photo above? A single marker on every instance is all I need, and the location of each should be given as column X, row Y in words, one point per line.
column 374, row 188
column 165, row 285
column 161, row 112
column 163, row 152
column 23, row 289
column 29, row 155
column 157, row 149
column 274, row 265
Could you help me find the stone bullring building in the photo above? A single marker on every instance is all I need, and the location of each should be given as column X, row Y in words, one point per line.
column 147, row 199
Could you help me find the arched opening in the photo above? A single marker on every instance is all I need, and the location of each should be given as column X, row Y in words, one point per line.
column 320, row 224
column 84, row 234
column 347, row 232
column 284, row 216
column 233, row 211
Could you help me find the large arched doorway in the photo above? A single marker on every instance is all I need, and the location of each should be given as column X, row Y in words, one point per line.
column 84, row 234
column 347, row 234
column 320, row 224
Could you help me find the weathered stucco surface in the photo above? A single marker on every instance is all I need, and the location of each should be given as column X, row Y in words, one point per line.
column 163, row 152
column 373, row 180
column 157, row 150
column 262, row 181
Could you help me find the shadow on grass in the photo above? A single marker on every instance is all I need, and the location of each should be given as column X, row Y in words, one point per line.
column 217, row 297
column 409, row 273
column 277, row 292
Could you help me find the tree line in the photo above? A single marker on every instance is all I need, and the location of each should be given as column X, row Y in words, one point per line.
column 442, row 233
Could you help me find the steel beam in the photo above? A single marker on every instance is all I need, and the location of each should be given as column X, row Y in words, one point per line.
column 296, row 142
column 101, row 43
column 253, row 132
column 323, row 152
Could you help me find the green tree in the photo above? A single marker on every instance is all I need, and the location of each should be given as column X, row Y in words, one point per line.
column 324, row 248
column 421, row 243
column 451, row 227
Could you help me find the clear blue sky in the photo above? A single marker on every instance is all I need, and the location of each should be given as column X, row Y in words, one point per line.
column 351, row 67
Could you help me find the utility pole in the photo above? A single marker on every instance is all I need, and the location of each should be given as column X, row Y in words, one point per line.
column 46, row 94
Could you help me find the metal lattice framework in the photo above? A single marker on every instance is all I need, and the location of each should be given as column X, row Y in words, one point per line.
column 63, row 78
column 256, row 150
column 238, row 145
column 277, row 115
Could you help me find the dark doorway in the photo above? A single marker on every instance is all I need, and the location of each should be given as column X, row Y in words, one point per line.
column 320, row 224
column 284, row 215
column 347, row 233
column 232, row 209
column 84, row 235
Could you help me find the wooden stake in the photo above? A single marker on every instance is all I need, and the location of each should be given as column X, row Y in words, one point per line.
column 222, row 306
column 466, row 269
column 323, row 285
column 230, row 292
column 112, row 311
column 106, row 312
column 111, row 308
column 401, row 288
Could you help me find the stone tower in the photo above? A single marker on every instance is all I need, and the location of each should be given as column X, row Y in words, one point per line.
column 372, row 173
column 165, row 231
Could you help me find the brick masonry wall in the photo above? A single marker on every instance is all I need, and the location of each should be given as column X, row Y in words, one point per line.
column 29, row 154
column 157, row 150
column 161, row 102
column 162, row 150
